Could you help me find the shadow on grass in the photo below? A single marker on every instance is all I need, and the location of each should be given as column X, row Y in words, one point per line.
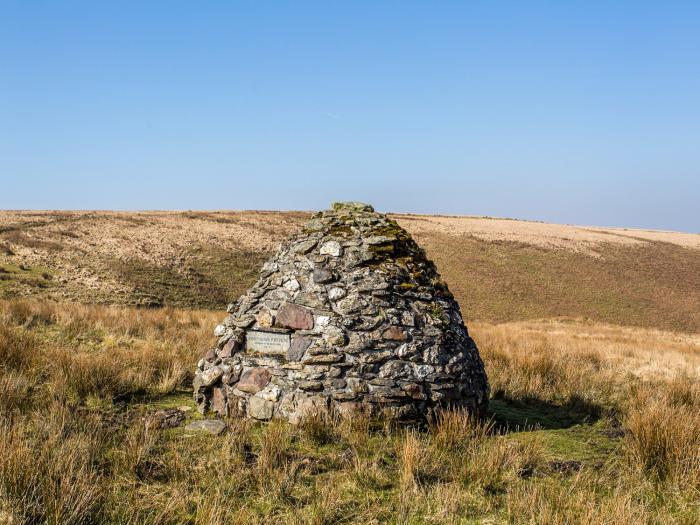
column 522, row 414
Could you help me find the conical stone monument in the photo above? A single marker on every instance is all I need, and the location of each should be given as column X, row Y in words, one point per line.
column 348, row 315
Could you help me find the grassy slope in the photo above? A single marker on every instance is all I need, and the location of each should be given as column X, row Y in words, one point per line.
column 207, row 259
column 654, row 285
column 570, row 446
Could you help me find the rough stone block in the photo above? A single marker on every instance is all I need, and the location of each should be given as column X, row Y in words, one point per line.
column 260, row 408
column 332, row 248
column 218, row 401
column 298, row 347
column 296, row 317
column 210, row 426
column 254, row 380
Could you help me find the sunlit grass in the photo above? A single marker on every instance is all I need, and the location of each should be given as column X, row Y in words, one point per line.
column 587, row 427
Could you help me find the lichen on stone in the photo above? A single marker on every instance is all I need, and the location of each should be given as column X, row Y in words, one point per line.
column 358, row 320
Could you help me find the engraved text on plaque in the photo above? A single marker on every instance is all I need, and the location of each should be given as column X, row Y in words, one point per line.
column 267, row 342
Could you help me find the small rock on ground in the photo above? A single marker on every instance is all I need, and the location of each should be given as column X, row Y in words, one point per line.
column 212, row 426
column 168, row 418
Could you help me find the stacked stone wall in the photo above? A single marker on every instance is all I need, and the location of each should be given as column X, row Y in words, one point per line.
column 350, row 315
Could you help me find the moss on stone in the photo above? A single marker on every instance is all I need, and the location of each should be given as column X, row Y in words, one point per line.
column 392, row 229
column 340, row 231
column 352, row 206
column 437, row 313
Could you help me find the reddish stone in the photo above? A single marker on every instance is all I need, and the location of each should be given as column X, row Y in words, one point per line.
column 293, row 316
column 298, row 348
column 395, row 333
column 230, row 348
column 218, row 401
column 210, row 355
column 254, row 380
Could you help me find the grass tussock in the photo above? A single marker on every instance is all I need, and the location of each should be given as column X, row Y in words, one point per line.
column 586, row 426
column 663, row 439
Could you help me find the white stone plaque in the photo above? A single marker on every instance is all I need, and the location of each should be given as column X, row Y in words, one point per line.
column 267, row 342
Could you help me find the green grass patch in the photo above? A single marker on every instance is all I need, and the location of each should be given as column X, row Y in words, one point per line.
column 591, row 444
column 209, row 278
column 654, row 285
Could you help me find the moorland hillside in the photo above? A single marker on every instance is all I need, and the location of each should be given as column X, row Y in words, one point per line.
column 499, row 270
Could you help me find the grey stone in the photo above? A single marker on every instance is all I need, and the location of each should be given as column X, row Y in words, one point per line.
column 210, row 426
column 352, row 206
column 244, row 322
column 268, row 268
column 270, row 393
column 311, row 385
column 232, row 376
column 378, row 239
column 260, row 408
column 323, row 359
column 211, row 376
column 336, row 293
column 377, row 357
column 352, row 303
column 292, row 285
column 306, row 406
column 322, row 321
column 338, row 383
column 322, row 275
column 311, row 300
column 332, row 248
column 315, row 225
column 304, row 247
column 423, row 371
column 382, row 381
column 345, row 396
column 335, row 336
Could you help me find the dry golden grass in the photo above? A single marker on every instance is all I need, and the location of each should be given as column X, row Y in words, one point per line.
column 177, row 258
column 587, row 426
column 562, row 359
column 664, row 434
column 499, row 270
column 584, row 239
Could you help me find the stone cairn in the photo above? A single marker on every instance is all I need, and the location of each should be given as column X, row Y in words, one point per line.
column 348, row 315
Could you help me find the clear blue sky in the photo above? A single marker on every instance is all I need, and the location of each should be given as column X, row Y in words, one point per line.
column 573, row 112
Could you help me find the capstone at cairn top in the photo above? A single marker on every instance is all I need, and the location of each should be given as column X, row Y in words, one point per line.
column 350, row 315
